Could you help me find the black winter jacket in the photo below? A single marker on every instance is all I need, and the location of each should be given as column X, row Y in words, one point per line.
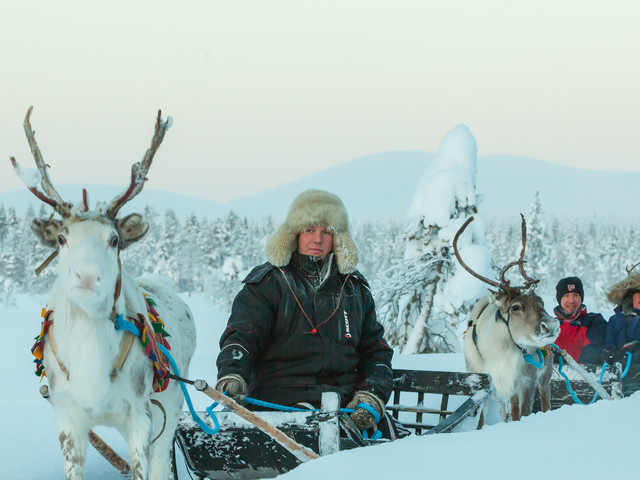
column 285, row 357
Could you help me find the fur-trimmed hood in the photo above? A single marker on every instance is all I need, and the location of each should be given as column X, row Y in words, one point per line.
column 314, row 207
column 620, row 293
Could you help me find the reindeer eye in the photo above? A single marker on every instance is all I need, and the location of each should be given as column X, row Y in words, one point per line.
column 516, row 308
column 113, row 241
column 62, row 240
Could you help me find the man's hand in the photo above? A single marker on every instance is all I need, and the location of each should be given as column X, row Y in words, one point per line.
column 631, row 347
column 613, row 356
column 363, row 418
column 233, row 386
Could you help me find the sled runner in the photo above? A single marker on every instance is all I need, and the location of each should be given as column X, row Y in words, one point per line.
column 425, row 402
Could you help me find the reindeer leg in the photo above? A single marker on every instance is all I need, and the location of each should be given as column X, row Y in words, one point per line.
column 545, row 398
column 139, row 438
column 544, row 385
column 165, row 418
column 514, row 403
column 526, row 404
column 73, row 442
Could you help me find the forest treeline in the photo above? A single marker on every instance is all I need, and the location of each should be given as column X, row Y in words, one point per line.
column 212, row 256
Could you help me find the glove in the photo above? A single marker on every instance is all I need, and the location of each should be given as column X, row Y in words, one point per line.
column 233, row 386
column 613, row 356
column 362, row 418
column 631, row 347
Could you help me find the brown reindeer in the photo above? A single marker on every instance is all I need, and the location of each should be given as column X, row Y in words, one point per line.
column 506, row 331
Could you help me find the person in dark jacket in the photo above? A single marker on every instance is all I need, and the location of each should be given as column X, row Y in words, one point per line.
column 623, row 328
column 622, row 340
column 305, row 323
column 581, row 333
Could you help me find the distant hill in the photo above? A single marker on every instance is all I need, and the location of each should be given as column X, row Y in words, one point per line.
column 382, row 186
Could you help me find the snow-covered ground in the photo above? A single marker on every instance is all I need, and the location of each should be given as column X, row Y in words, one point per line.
column 597, row 441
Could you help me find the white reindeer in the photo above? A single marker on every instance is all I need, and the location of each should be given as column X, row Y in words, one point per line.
column 97, row 374
column 506, row 331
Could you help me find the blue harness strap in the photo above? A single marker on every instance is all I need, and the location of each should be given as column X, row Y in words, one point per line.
column 275, row 406
column 568, row 382
column 531, row 361
column 122, row 324
column 205, row 428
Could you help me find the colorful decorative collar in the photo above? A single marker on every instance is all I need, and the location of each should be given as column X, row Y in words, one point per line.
column 149, row 330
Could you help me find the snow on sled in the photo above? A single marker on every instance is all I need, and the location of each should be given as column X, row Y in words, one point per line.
column 425, row 402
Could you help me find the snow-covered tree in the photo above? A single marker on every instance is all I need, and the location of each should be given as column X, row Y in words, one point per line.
column 167, row 262
column 424, row 298
column 540, row 262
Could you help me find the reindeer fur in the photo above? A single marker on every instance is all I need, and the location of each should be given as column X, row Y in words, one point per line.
column 87, row 343
column 495, row 352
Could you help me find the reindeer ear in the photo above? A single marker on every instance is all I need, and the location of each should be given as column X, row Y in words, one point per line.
column 131, row 229
column 47, row 231
column 500, row 299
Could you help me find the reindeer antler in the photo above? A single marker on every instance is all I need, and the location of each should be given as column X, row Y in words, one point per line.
column 464, row 265
column 529, row 282
column 139, row 170
column 50, row 195
column 504, row 283
column 629, row 270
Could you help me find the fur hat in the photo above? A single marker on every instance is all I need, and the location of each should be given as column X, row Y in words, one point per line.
column 314, row 207
column 621, row 293
column 567, row 285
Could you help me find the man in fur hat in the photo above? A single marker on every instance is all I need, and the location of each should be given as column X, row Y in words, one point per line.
column 305, row 322
column 623, row 328
column 581, row 333
column 622, row 340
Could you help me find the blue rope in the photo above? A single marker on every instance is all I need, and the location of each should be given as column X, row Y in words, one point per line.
column 205, row 428
column 377, row 435
column 122, row 324
column 568, row 382
column 626, row 370
column 528, row 358
column 275, row 406
column 371, row 410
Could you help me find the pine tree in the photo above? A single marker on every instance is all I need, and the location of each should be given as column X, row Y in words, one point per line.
column 419, row 312
column 167, row 262
column 540, row 261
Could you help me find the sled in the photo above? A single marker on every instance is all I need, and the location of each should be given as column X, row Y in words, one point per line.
column 425, row 402
column 612, row 383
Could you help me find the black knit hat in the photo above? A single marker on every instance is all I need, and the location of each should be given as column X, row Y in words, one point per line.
column 567, row 285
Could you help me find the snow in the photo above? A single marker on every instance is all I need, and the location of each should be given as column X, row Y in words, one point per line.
column 451, row 176
column 31, row 177
column 574, row 442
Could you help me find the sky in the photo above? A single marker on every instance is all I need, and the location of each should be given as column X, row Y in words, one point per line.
column 538, row 444
column 263, row 93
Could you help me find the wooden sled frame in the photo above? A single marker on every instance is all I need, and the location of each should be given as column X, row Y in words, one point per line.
column 421, row 402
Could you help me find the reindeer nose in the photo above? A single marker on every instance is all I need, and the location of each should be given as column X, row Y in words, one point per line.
column 88, row 276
